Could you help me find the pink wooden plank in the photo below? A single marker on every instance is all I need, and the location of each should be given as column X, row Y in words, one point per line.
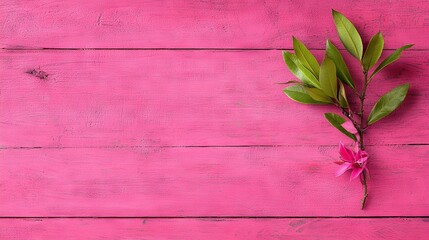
column 178, row 98
column 203, row 24
column 224, row 181
column 226, row 229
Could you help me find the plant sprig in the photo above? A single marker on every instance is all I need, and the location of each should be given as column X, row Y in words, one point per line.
column 325, row 83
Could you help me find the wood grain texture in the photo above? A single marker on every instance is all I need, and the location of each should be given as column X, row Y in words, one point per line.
column 218, row 228
column 195, row 181
column 183, row 98
column 174, row 115
column 203, row 24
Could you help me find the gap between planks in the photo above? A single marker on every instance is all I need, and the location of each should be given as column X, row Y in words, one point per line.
column 177, row 49
column 196, row 146
column 208, row 217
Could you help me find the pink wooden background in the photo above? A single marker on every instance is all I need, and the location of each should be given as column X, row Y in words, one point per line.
column 162, row 120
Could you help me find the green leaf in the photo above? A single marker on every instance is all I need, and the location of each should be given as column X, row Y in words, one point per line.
column 391, row 58
column 388, row 103
column 299, row 70
column 318, row 95
column 298, row 94
column 328, row 78
column 373, row 51
column 336, row 121
column 290, row 82
column 348, row 34
column 342, row 96
column 305, row 57
column 342, row 70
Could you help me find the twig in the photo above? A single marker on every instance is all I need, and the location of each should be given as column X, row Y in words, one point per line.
column 365, row 190
column 360, row 127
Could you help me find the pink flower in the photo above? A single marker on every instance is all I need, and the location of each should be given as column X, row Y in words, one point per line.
column 354, row 160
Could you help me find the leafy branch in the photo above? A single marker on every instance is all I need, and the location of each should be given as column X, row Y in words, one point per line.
column 325, row 83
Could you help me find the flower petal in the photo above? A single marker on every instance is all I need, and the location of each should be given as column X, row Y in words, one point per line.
column 356, row 172
column 361, row 154
column 346, row 166
column 362, row 161
column 355, row 147
column 346, row 154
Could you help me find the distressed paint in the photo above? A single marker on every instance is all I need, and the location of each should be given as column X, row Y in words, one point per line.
column 183, row 98
column 214, row 181
column 174, row 114
column 203, row 24
column 214, row 228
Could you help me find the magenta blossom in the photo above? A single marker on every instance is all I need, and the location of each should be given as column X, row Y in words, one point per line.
column 354, row 160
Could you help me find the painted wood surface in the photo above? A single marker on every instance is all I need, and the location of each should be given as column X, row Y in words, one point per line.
column 183, row 98
column 217, row 228
column 215, row 181
column 174, row 114
column 203, row 24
